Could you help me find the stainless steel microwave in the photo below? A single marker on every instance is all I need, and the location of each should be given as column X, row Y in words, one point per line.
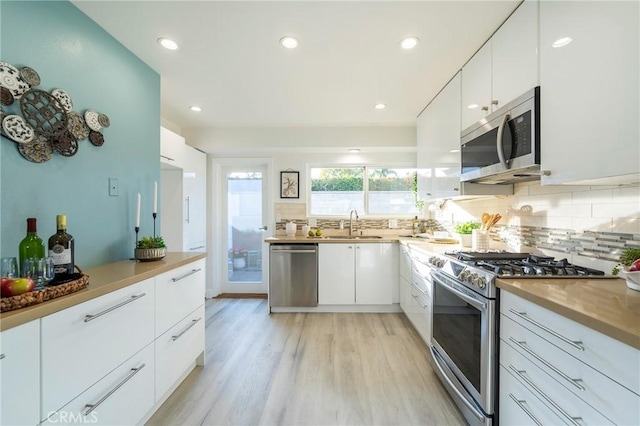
column 504, row 147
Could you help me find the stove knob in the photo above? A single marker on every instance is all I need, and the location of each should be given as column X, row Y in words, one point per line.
column 463, row 275
column 432, row 260
column 480, row 282
column 472, row 278
column 439, row 263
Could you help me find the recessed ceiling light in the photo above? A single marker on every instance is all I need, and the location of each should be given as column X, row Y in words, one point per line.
column 195, row 108
column 289, row 42
column 380, row 106
column 167, row 43
column 354, row 150
column 562, row 42
column 454, row 150
column 409, row 42
column 473, row 106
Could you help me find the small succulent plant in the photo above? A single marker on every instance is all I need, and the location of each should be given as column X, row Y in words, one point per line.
column 150, row 242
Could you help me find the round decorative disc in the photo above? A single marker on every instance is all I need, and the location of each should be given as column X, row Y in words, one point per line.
column 17, row 129
column 11, row 79
column 44, row 113
column 37, row 151
column 30, row 76
column 91, row 117
column 6, row 98
column 104, row 121
column 96, row 138
column 77, row 126
column 63, row 98
column 66, row 144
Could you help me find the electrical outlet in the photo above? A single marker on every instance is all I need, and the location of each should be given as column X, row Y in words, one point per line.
column 393, row 223
column 313, row 222
column 113, row 187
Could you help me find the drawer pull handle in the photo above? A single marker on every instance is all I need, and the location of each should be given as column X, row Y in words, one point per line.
column 521, row 375
column 179, row 335
column 1, row 356
column 196, row 248
column 574, row 382
column 193, row 271
column 135, row 297
column 523, row 407
column 421, row 305
column 91, row 407
column 575, row 343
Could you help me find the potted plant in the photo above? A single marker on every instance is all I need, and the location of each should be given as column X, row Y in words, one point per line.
column 150, row 248
column 629, row 267
column 464, row 231
column 239, row 256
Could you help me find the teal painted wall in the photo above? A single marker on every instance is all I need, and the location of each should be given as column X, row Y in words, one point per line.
column 71, row 52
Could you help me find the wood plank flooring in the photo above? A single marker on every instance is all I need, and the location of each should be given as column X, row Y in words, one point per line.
column 308, row 369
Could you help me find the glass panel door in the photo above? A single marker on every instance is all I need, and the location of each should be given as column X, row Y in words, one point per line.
column 244, row 207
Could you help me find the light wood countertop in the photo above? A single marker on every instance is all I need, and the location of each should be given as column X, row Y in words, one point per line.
column 102, row 280
column 605, row 305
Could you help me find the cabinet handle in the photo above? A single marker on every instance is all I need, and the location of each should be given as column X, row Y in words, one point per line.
column 523, row 407
column 179, row 335
column 167, row 158
column 1, row 356
column 418, row 302
column 521, row 375
column 135, row 297
column 485, row 108
column 196, row 248
column 91, row 407
column 573, row 382
column 188, row 209
column 193, row 271
column 575, row 343
column 494, row 102
column 499, row 138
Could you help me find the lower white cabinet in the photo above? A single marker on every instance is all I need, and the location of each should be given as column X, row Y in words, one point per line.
column 349, row 274
column 83, row 343
column 20, row 375
column 177, row 350
column 123, row 397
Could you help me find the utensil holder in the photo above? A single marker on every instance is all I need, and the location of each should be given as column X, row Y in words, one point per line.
column 479, row 240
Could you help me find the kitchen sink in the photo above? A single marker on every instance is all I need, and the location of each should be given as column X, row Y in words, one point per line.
column 354, row 237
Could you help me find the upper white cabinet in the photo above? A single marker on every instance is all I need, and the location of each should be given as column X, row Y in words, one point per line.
column 194, row 181
column 171, row 149
column 589, row 92
column 504, row 68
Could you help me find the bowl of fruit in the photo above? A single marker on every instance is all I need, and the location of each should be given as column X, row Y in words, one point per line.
column 629, row 267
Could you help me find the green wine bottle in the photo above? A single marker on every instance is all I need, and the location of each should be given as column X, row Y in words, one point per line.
column 31, row 245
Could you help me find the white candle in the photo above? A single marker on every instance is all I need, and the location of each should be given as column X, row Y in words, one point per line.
column 155, row 197
column 138, row 212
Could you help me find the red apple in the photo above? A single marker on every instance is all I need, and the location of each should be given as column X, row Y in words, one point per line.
column 15, row 286
column 635, row 266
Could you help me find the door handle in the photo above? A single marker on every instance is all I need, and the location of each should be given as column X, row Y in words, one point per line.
column 503, row 123
column 263, row 228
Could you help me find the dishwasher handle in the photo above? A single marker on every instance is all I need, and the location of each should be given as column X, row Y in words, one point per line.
column 292, row 251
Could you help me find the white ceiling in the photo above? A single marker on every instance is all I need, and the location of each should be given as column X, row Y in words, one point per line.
column 231, row 64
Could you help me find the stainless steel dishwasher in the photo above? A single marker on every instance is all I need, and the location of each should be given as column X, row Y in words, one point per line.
column 293, row 275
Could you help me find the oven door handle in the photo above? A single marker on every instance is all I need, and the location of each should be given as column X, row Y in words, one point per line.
column 438, row 279
column 437, row 360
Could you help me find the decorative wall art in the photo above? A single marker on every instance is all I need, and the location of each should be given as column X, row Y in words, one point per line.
column 41, row 122
column 289, row 184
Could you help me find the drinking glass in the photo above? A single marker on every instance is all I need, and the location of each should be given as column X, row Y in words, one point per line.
column 39, row 270
column 9, row 267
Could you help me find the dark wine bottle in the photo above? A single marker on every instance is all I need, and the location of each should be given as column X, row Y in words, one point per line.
column 61, row 247
column 31, row 246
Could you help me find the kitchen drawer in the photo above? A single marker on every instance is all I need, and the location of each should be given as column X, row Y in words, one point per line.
column 605, row 395
column 405, row 263
column 422, row 313
column 611, row 357
column 20, row 375
column 123, row 397
column 177, row 350
column 178, row 292
column 83, row 343
column 521, row 404
column 421, row 282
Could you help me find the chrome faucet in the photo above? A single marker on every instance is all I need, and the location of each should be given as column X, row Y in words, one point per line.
column 351, row 220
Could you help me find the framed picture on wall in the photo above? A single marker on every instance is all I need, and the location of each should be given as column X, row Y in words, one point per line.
column 289, row 184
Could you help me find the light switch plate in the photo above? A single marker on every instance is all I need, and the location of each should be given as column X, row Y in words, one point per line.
column 393, row 223
column 113, row 187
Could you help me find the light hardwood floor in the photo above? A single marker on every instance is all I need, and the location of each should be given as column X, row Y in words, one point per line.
column 308, row 369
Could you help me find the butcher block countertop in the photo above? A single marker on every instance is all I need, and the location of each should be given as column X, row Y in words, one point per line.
column 102, row 280
column 605, row 305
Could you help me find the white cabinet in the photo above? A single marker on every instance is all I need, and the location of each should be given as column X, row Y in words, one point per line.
column 404, row 278
column 504, row 68
column 82, row 344
column 589, row 92
column 364, row 273
column 570, row 368
column 194, row 181
column 20, row 375
column 421, row 295
column 171, row 149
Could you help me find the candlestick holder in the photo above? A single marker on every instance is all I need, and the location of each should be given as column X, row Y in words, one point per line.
column 154, row 224
column 137, row 228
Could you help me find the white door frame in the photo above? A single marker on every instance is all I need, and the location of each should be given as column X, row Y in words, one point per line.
column 218, row 253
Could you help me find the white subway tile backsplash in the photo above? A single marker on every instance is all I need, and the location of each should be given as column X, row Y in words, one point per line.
column 626, row 225
column 593, row 197
column 555, row 189
column 616, row 210
column 580, row 224
column 630, row 194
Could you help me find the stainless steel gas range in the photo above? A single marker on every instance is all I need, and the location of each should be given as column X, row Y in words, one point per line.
column 465, row 316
